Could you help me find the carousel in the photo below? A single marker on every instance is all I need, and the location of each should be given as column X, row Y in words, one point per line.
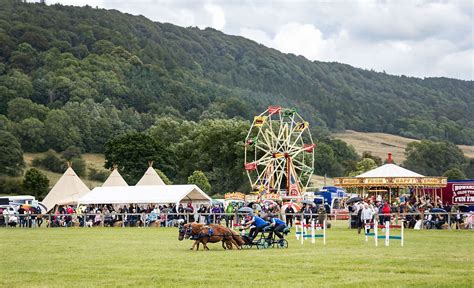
column 391, row 181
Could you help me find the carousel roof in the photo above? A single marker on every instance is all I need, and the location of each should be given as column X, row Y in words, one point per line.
column 389, row 170
column 390, row 175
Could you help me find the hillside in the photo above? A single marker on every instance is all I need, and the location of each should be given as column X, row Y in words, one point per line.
column 92, row 161
column 380, row 144
column 95, row 73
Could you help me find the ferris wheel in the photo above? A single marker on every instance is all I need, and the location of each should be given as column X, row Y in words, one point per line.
column 279, row 153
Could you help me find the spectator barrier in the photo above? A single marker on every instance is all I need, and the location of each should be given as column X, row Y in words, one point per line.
column 387, row 236
column 426, row 220
column 302, row 231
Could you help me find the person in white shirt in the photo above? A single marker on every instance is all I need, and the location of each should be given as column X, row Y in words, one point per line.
column 366, row 216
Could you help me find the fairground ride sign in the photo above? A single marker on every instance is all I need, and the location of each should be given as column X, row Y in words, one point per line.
column 234, row 196
column 463, row 193
column 271, row 196
column 391, row 182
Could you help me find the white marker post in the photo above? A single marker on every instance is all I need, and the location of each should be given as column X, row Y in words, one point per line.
column 302, row 223
column 296, row 230
column 387, row 233
column 313, row 237
column 376, row 232
column 324, row 232
column 401, row 234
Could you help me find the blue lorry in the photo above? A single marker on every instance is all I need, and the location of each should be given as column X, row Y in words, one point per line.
column 331, row 196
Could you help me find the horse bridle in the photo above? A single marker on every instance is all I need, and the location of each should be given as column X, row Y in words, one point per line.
column 186, row 233
column 182, row 231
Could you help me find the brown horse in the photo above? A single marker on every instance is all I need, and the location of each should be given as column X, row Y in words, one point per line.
column 211, row 233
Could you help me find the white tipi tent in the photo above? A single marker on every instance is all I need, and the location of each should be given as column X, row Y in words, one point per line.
column 150, row 178
column 67, row 190
column 114, row 179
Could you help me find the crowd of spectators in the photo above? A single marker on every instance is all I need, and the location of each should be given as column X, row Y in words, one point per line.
column 417, row 212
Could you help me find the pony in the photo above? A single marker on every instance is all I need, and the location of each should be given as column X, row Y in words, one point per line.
column 212, row 233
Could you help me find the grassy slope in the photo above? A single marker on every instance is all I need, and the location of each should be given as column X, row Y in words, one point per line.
column 92, row 161
column 318, row 181
column 380, row 144
column 153, row 257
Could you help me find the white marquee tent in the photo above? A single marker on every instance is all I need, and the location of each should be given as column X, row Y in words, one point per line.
column 114, row 179
column 67, row 190
column 152, row 194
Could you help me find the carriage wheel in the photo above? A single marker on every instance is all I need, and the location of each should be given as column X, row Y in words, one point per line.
column 282, row 244
column 262, row 243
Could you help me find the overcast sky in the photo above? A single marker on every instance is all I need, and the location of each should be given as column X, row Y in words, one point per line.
column 409, row 37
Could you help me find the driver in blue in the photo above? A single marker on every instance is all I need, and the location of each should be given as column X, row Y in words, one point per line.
column 257, row 223
column 277, row 226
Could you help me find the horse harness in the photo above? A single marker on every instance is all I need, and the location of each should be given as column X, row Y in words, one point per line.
column 210, row 233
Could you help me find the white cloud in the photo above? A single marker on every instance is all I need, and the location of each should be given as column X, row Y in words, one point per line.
column 217, row 16
column 304, row 39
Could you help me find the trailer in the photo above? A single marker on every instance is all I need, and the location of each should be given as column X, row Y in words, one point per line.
column 460, row 192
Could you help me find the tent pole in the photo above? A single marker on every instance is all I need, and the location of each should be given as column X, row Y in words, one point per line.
column 390, row 195
column 441, row 193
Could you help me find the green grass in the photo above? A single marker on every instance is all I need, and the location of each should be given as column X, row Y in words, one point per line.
column 93, row 257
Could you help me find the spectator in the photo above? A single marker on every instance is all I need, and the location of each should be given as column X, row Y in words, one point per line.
column 215, row 217
column 97, row 218
column 229, row 214
column 366, row 217
column 143, row 217
column 202, row 210
column 385, row 215
column 108, row 218
column 289, row 211
column 307, row 213
column 190, row 210
column 321, row 214
column 21, row 212
column 152, row 217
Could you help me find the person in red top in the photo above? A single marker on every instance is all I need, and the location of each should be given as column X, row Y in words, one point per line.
column 386, row 213
column 190, row 209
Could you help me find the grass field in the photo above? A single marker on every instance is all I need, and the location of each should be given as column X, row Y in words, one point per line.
column 380, row 144
column 134, row 257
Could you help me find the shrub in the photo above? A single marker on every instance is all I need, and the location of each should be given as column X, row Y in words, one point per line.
column 98, row 175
